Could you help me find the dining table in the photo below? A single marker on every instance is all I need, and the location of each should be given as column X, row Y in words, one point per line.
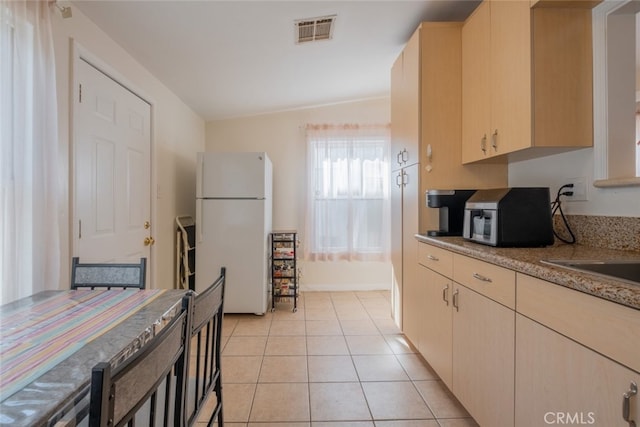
column 50, row 341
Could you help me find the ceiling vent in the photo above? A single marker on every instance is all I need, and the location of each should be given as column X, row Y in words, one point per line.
column 313, row 29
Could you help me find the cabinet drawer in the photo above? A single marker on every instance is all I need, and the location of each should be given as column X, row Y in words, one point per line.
column 492, row 281
column 604, row 326
column 437, row 259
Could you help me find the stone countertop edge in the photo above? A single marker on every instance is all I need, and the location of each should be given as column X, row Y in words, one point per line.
column 528, row 261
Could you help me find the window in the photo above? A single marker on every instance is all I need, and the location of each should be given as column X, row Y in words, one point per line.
column 29, row 241
column 616, row 41
column 348, row 193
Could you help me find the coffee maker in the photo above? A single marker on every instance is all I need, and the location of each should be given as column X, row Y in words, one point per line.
column 451, row 210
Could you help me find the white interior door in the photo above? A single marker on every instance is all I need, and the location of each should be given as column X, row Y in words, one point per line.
column 112, row 170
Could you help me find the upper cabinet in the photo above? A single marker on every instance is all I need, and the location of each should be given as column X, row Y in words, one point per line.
column 426, row 116
column 526, row 79
column 405, row 108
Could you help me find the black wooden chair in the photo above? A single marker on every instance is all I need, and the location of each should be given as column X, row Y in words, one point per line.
column 204, row 364
column 97, row 275
column 129, row 394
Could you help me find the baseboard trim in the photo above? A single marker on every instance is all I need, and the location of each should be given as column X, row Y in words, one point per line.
column 337, row 287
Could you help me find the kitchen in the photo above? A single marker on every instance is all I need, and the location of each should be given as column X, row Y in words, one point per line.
column 180, row 133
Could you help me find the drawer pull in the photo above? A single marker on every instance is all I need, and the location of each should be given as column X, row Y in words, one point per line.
column 445, row 294
column 433, row 258
column 626, row 398
column 455, row 300
column 481, row 277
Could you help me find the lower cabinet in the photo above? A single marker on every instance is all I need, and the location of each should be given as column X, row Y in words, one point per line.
column 559, row 381
column 435, row 340
column 544, row 355
column 412, row 309
column 483, row 357
column 465, row 335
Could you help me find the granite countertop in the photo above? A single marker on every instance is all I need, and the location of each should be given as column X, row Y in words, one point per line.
column 528, row 261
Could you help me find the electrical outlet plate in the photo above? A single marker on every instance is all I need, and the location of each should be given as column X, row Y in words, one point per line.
column 579, row 189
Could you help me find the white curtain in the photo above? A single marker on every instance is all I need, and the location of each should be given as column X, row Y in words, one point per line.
column 29, row 235
column 348, row 209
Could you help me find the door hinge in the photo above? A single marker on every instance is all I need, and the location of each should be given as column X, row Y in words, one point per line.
column 80, row 93
column 79, row 229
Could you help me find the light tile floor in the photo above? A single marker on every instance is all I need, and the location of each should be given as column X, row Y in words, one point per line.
column 339, row 361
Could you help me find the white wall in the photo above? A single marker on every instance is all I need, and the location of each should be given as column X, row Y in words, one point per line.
column 282, row 136
column 553, row 171
column 177, row 134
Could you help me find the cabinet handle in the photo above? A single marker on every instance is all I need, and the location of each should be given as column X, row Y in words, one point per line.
column 405, row 181
column 399, row 157
column 481, row 277
column 445, row 294
column 399, row 180
column 626, row 398
column 455, row 299
column 483, row 143
column 405, row 156
column 433, row 258
column 494, row 140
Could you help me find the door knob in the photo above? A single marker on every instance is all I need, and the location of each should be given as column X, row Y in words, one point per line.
column 149, row 241
column 147, row 225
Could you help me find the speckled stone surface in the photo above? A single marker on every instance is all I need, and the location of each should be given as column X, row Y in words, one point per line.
column 65, row 388
column 528, row 261
column 612, row 232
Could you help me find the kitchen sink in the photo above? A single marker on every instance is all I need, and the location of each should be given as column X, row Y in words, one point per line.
column 628, row 271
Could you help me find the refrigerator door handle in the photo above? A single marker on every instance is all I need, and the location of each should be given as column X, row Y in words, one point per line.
column 199, row 216
column 200, row 176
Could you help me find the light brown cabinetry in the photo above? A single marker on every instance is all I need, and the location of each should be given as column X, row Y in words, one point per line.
column 576, row 357
column 404, row 247
column 517, row 350
column 441, row 120
column 527, row 79
column 561, row 380
column 405, row 175
column 405, row 105
column 434, row 338
column 426, row 113
column 483, row 342
column 467, row 335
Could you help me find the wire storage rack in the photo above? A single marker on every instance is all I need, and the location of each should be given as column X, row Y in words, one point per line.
column 285, row 273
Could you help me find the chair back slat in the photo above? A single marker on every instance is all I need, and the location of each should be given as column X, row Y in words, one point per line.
column 119, row 395
column 206, row 333
column 102, row 275
column 206, row 305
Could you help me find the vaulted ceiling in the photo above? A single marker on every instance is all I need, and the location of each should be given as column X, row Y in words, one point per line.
column 236, row 58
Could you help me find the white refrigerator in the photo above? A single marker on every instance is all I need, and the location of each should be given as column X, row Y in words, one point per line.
column 233, row 223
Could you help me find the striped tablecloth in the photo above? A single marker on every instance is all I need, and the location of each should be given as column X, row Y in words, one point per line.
column 34, row 339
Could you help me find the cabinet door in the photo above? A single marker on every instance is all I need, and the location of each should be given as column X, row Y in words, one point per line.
column 435, row 341
column 411, row 97
column 398, row 114
column 476, row 90
column 410, row 209
column 396, row 247
column 510, row 77
column 413, row 309
column 559, row 379
column 483, row 357
column 405, row 96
